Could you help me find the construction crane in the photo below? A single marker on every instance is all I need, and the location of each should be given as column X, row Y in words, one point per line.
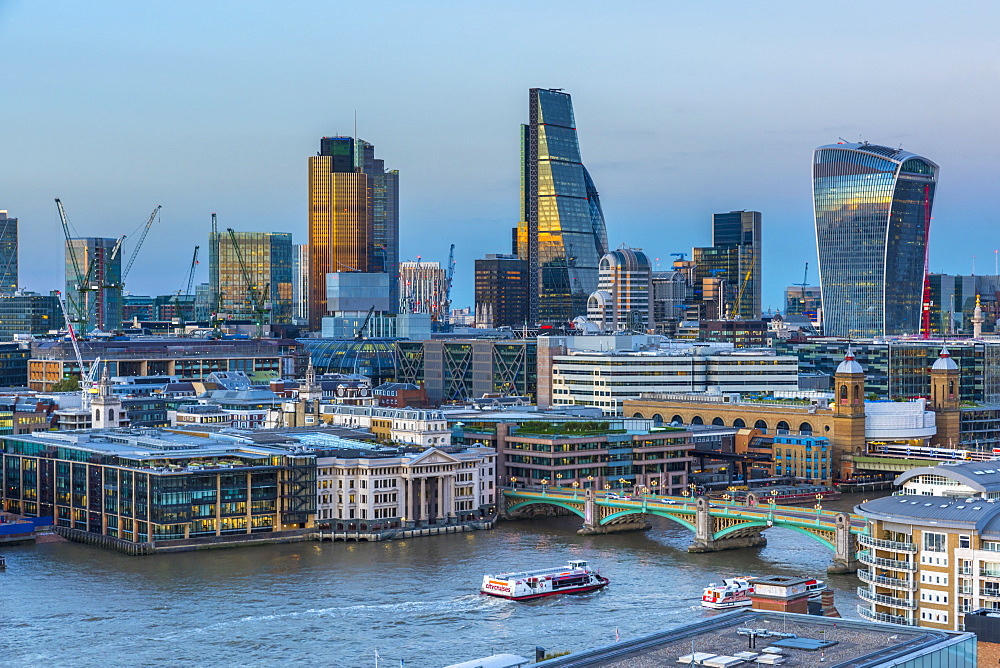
column 186, row 290
column 447, row 284
column 360, row 334
column 138, row 245
column 87, row 376
column 734, row 312
column 680, row 256
column 82, row 281
column 805, row 278
column 256, row 299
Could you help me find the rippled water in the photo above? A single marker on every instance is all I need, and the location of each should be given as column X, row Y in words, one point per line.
column 334, row 604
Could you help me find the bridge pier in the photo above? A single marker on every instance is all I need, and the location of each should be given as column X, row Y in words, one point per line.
column 704, row 540
column 592, row 520
column 845, row 556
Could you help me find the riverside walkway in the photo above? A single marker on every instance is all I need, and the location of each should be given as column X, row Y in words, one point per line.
column 717, row 525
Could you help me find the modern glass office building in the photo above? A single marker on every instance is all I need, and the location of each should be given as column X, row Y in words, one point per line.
column 873, row 210
column 268, row 260
column 561, row 233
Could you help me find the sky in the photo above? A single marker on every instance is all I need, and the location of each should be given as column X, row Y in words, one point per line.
column 682, row 109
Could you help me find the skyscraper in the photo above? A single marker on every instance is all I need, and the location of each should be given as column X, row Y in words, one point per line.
column 8, row 253
column 621, row 301
column 423, row 287
column 94, row 283
column 501, row 291
column 873, row 212
column 268, row 259
column 728, row 272
column 561, row 234
column 353, row 217
column 300, row 284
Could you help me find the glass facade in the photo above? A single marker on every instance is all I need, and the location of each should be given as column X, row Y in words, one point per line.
column 873, row 210
column 8, row 253
column 93, row 283
column 728, row 273
column 268, row 258
column 562, row 235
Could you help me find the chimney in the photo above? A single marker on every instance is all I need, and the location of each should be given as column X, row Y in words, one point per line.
column 780, row 593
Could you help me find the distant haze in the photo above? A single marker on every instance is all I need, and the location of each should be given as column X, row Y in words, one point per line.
column 683, row 109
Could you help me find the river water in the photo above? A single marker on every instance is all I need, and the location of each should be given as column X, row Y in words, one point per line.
column 335, row 604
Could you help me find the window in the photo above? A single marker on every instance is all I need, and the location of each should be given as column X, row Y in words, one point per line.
column 935, row 542
column 964, row 541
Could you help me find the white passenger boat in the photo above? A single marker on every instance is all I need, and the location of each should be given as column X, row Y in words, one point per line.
column 574, row 578
column 732, row 593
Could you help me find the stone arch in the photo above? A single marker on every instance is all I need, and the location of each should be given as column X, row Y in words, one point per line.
column 697, row 420
column 657, row 419
column 97, row 414
column 531, row 502
column 760, row 424
column 806, row 428
column 678, row 419
column 856, row 391
column 718, row 422
column 638, row 415
column 111, row 415
column 782, row 426
column 738, row 423
column 843, row 392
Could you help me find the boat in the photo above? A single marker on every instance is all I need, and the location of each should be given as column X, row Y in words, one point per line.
column 574, row 578
column 732, row 593
column 815, row 588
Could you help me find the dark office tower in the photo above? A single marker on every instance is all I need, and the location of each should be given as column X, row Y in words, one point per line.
column 561, row 234
column 93, row 283
column 873, row 212
column 353, row 217
column 728, row 272
column 8, row 253
column 501, row 291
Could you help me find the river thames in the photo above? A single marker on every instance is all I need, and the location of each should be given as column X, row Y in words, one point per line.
column 335, row 604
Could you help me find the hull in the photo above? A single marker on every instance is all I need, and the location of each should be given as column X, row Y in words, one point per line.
column 530, row 597
column 726, row 606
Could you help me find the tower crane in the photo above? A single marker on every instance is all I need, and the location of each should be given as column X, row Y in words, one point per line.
column 805, row 277
column 447, row 284
column 256, row 299
column 81, row 280
column 679, row 256
column 138, row 245
column 186, row 290
column 87, row 376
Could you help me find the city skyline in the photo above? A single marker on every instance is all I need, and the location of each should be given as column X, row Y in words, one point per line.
column 665, row 156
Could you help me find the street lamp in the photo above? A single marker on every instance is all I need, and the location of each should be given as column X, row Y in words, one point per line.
column 607, row 488
column 576, row 485
column 818, row 506
column 513, row 482
column 558, row 480
column 654, row 483
column 544, row 481
column 590, row 481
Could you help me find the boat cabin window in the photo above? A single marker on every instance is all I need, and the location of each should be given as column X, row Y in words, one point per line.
column 578, row 564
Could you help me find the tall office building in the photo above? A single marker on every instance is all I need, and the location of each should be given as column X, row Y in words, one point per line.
column 501, row 291
column 670, row 292
column 621, row 301
column 268, row 259
column 873, row 212
column 728, row 273
column 804, row 300
column 353, row 217
column 94, row 283
column 300, row 284
column 28, row 313
column 561, row 234
column 423, row 288
column 8, row 253
column 954, row 300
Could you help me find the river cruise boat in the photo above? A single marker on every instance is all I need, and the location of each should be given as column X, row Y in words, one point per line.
column 574, row 578
column 732, row 593
column 783, row 495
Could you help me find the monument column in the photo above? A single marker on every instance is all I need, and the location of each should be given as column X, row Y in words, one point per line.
column 440, row 499
column 423, row 499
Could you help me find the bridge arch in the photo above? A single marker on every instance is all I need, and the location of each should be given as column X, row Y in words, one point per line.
column 760, row 523
column 532, row 502
column 649, row 511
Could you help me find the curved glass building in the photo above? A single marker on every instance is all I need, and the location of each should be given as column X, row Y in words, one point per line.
column 375, row 358
column 562, row 234
column 873, row 212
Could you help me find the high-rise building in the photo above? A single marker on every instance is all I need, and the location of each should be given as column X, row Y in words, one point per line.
column 268, row 259
column 621, row 301
column 8, row 253
column 93, row 283
column 670, row 292
column 28, row 313
column 423, row 288
column 501, row 291
column 873, row 212
column 728, row 273
column 804, row 300
column 353, row 217
column 954, row 299
column 300, row 284
column 561, row 234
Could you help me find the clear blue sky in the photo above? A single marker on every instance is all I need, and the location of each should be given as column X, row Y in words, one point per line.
column 683, row 109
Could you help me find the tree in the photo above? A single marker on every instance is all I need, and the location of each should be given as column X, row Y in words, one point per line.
column 66, row 385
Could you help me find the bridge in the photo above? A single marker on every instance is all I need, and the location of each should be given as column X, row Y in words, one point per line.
column 717, row 525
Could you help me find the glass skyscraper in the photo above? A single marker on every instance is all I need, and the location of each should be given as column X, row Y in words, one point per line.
column 8, row 253
column 561, row 234
column 268, row 259
column 873, row 211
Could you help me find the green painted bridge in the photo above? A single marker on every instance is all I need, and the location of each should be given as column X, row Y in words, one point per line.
column 717, row 525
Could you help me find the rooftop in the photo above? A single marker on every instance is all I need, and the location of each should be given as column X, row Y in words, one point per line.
column 984, row 477
column 844, row 643
column 972, row 513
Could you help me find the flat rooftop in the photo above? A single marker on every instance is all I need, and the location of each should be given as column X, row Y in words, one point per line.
column 855, row 644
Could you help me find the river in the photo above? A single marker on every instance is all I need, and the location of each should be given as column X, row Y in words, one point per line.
column 335, row 604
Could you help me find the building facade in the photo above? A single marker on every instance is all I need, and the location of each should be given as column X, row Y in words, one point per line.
column 671, row 293
column 353, row 217
column 28, row 314
column 561, row 235
column 621, row 302
column 805, row 300
column 8, row 252
column 728, row 272
column 93, row 283
column 501, row 291
column 267, row 257
column 300, row 284
column 423, row 288
column 872, row 206
column 954, row 300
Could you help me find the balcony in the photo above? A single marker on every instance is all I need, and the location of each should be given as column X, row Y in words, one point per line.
column 894, row 583
column 990, row 593
column 872, row 616
column 891, row 601
column 992, row 574
column 865, row 557
column 892, row 545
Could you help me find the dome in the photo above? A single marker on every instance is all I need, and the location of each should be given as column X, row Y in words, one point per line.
column 944, row 362
column 849, row 365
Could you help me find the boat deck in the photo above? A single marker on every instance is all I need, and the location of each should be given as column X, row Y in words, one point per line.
column 534, row 574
